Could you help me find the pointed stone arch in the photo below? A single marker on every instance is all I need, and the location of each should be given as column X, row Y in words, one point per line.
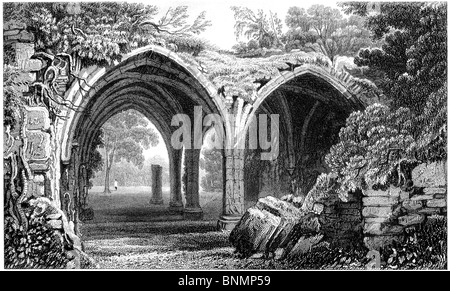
column 156, row 82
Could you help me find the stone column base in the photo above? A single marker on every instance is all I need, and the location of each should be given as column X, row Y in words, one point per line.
column 228, row 222
column 176, row 207
column 193, row 214
column 156, row 201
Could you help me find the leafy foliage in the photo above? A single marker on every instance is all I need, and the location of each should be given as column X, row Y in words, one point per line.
column 238, row 75
column 265, row 29
column 127, row 174
column 371, row 146
column 414, row 55
column 323, row 29
column 422, row 247
column 322, row 189
column 431, row 142
column 125, row 135
column 191, row 45
column 101, row 33
column 38, row 247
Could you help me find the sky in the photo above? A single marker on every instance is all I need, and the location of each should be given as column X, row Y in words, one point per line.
column 221, row 32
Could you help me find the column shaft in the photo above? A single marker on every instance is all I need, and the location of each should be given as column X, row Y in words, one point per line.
column 233, row 207
column 193, row 210
column 176, row 199
column 156, row 185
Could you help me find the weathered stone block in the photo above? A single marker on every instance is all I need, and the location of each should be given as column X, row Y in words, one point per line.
column 371, row 192
column 422, row 197
column 33, row 65
column 55, row 224
column 23, row 53
column 40, row 166
column 430, row 175
column 411, row 219
column 37, row 145
column 411, row 205
column 437, row 203
column 439, row 196
column 379, row 201
column 37, row 118
column 37, row 184
column 22, row 36
column 377, row 211
column 434, row 190
column 11, row 32
column 13, row 24
column 430, row 211
column 54, row 216
column 394, row 191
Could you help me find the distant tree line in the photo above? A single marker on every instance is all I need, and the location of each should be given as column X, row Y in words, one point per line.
column 319, row 29
column 127, row 174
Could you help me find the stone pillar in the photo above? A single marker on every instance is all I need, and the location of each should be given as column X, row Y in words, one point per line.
column 192, row 210
column 156, row 185
column 176, row 199
column 233, row 207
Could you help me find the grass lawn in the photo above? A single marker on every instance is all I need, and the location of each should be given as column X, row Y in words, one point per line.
column 129, row 233
column 132, row 204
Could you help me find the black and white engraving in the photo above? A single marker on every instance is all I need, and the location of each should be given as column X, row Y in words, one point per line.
column 225, row 135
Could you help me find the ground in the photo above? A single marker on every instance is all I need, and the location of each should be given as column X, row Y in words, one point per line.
column 129, row 233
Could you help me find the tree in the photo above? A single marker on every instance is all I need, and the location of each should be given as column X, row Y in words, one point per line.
column 125, row 135
column 323, row 29
column 212, row 164
column 265, row 29
column 101, row 32
column 413, row 57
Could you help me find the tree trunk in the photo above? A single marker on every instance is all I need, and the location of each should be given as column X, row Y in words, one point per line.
column 107, row 190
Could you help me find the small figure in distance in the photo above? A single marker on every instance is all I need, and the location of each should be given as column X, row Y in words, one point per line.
column 115, row 184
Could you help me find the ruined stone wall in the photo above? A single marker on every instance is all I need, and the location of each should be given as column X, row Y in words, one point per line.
column 19, row 47
column 341, row 220
column 32, row 168
column 386, row 213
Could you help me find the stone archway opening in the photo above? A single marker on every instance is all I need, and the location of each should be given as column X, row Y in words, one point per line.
column 311, row 109
column 158, row 85
column 140, row 166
